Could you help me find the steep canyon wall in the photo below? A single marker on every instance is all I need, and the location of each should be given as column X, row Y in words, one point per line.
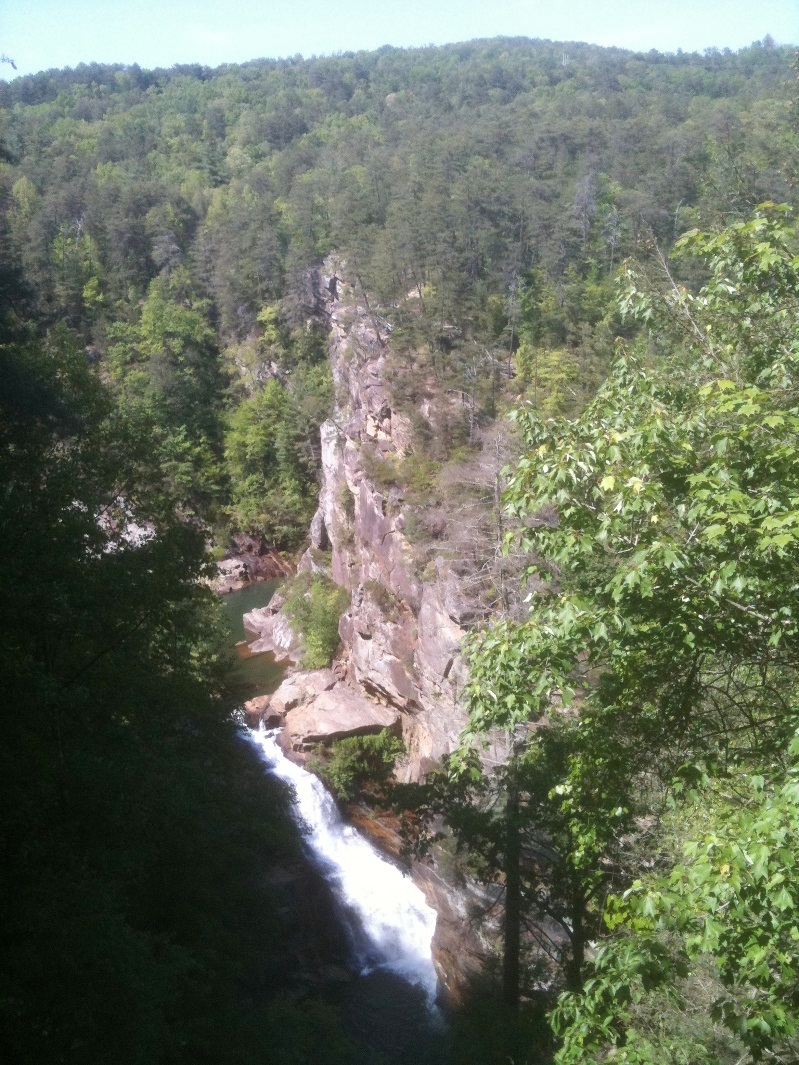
column 400, row 635
column 399, row 664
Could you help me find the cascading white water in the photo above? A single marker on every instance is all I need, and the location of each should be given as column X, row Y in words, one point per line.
column 396, row 925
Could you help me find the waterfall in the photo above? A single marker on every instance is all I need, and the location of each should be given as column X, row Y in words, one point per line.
column 394, row 927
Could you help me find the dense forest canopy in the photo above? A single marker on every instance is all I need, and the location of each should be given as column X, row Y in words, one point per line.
column 169, row 217
column 162, row 361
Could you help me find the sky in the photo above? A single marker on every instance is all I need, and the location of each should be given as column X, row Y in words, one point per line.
column 40, row 34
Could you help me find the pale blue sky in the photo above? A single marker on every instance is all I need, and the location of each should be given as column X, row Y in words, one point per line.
column 39, row 34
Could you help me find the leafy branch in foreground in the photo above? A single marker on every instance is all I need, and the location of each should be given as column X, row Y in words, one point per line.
column 664, row 525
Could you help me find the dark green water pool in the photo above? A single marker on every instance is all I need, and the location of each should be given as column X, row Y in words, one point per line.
column 254, row 674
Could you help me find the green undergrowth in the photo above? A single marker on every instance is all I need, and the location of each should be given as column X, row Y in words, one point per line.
column 415, row 475
column 358, row 764
column 314, row 605
column 386, row 601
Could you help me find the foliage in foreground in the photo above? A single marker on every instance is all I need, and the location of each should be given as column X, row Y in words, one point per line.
column 135, row 827
column 731, row 901
column 665, row 527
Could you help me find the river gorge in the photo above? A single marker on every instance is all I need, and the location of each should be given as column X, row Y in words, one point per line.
column 398, row 665
column 379, row 974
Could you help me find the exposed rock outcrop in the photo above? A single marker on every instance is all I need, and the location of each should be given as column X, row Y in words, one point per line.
column 273, row 630
column 400, row 665
column 259, row 711
column 400, row 636
column 249, row 559
column 313, row 707
column 333, row 714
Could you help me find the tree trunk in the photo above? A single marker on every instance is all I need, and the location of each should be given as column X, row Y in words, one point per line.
column 574, row 969
column 513, row 900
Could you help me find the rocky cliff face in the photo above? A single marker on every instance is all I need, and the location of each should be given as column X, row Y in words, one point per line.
column 399, row 665
column 400, row 636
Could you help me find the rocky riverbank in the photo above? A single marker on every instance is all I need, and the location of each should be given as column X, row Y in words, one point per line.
column 460, row 949
column 248, row 559
column 399, row 665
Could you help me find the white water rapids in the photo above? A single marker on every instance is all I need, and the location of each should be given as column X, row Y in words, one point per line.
column 395, row 925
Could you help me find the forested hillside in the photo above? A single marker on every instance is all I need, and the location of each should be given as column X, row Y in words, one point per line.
column 508, row 211
column 482, row 193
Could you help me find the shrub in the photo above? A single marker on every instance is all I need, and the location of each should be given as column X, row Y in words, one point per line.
column 387, row 603
column 314, row 605
column 415, row 475
column 419, row 477
column 349, row 765
column 347, row 501
column 381, row 470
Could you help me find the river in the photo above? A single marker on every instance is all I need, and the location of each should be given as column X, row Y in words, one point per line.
column 254, row 674
column 389, row 1006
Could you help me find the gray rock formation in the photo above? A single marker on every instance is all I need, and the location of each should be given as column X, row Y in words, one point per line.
column 400, row 665
column 313, row 707
column 273, row 630
column 400, row 636
column 249, row 559
column 259, row 710
column 333, row 714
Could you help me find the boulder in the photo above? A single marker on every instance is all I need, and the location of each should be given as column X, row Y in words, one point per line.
column 275, row 634
column 255, row 620
column 260, row 710
column 334, row 714
column 298, row 689
column 232, row 575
